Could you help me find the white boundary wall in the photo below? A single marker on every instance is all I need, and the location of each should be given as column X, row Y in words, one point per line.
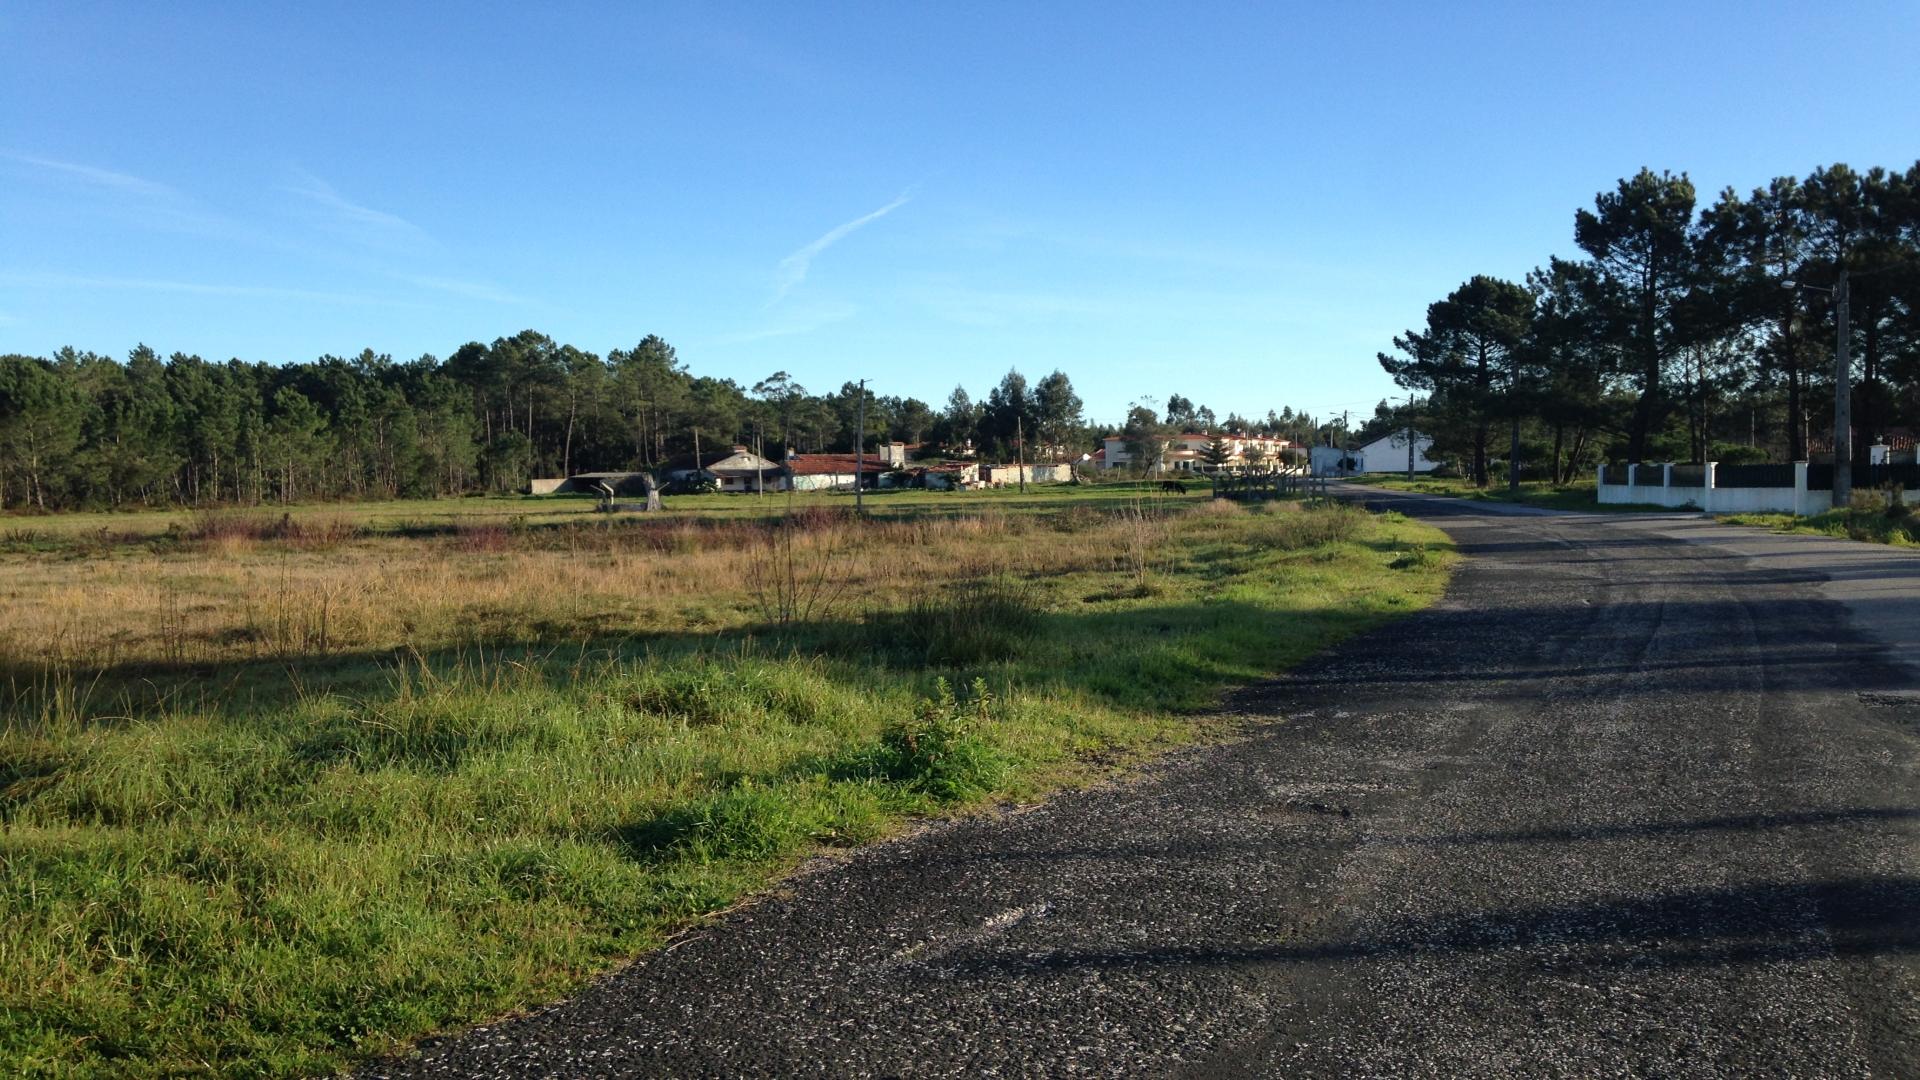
column 1652, row 485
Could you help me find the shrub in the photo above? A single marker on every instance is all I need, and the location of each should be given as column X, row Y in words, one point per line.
column 1219, row 508
column 235, row 531
column 1867, row 501
column 939, row 750
column 1727, row 453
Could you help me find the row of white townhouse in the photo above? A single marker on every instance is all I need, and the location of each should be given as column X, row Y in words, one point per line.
column 1187, row 453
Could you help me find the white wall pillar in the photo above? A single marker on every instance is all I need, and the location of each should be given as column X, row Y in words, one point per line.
column 1633, row 474
column 1666, row 475
column 1706, row 499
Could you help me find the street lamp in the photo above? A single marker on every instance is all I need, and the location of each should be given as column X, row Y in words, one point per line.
column 1842, row 390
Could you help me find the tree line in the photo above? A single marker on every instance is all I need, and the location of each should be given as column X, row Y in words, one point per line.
column 1681, row 332
column 78, row 429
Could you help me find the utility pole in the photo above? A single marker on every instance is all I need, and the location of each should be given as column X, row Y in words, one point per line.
column 860, row 451
column 1020, row 451
column 1842, row 399
column 699, row 467
column 1409, row 436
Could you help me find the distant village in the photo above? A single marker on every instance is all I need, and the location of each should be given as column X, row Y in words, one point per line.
column 740, row 469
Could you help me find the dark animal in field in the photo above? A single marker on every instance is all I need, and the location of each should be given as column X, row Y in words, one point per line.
column 1176, row 486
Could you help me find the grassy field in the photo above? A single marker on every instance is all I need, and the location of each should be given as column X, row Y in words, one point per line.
column 416, row 515
column 1575, row 496
column 278, row 793
column 1872, row 518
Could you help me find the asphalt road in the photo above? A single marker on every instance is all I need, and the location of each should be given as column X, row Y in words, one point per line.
column 1640, row 797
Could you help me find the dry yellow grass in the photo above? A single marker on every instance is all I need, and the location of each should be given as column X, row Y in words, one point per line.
column 332, row 590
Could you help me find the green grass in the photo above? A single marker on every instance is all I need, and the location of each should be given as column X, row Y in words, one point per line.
column 1575, row 496
column 401, row 515
column 397, row 847
column 1875, row 523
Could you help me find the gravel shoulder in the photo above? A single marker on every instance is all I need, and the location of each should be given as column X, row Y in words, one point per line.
column 1637, row 798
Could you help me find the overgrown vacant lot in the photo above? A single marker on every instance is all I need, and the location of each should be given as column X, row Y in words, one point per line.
column 278, row 793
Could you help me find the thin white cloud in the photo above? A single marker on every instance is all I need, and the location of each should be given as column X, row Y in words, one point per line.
column 478, row 290
column 793, row 269
column 370, row 224
column 801, row 322
column 118, row 181
column 37, row 280
column 987, row 307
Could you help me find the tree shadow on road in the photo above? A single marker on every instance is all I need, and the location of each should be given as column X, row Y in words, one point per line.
column 1763, row 922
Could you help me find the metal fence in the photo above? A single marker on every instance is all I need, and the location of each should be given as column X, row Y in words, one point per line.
column 1614, row 474
column 1689, row 476
column 1820, row 477
column 1757, row 476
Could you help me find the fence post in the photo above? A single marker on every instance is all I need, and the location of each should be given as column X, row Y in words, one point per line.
column 1706, row 499
column 1800, row 488
column 1633, row 474
column 1666, row 475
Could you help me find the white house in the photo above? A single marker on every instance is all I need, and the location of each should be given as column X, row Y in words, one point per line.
column 1187, row 453
column 834, row 472
column 1386, row 454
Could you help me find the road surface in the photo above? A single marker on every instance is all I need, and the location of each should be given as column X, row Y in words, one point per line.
column 1638, row 798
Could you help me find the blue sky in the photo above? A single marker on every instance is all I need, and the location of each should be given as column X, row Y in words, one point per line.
column 1242, row 204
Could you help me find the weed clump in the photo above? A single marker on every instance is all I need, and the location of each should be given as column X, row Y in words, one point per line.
column 1313, row 527
column 960, row 625
column 237, row 532
column 1412, row 557
column 939, row 751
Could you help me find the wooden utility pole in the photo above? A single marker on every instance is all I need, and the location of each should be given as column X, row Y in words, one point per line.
column 699, row 467
column 1020, row 451
column 860, row 451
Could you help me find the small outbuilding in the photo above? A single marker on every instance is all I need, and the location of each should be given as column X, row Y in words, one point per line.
column 834, row 472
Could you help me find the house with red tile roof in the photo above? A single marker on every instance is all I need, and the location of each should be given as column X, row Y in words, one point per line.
column 834, row 472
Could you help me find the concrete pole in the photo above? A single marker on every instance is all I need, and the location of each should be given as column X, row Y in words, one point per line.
column 1842, row 399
